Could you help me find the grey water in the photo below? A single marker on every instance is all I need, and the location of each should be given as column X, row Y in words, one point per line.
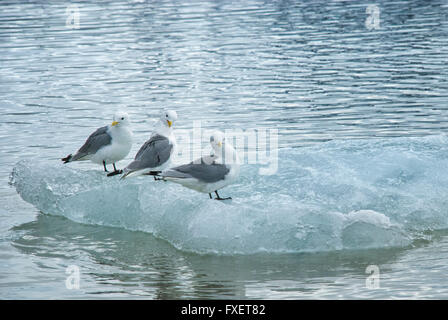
column 324, row 73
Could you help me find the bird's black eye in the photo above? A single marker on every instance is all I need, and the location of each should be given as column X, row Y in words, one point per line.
column 122, row 118
column 166, row 115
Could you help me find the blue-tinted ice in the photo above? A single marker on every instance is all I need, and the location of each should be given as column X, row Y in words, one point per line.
column 337, row 195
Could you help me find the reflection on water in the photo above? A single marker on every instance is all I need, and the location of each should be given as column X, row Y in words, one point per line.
column 122, row 263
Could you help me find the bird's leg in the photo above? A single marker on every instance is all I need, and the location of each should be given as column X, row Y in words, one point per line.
column 219, row 198
column 104, row 165
column 115, row 171
column 210, row 195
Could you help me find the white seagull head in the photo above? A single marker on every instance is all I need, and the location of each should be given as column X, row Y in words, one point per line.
column 168, row 117
column 217, row 141
column 120, row 119
column 223, row 150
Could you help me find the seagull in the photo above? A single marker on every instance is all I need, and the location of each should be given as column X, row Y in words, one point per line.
column 209, row 173
column 155, row 154
column 108, row 144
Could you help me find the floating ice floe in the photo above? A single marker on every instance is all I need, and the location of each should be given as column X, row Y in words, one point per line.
column 337, row 195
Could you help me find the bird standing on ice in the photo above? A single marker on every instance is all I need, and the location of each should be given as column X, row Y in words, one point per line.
column 155, row 154
column 209, row 173
column 108, row 144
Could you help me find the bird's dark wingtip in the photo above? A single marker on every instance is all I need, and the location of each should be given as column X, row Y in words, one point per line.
column 67, row 158
column 152, row 173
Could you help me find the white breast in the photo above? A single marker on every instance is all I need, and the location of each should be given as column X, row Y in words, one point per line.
column 118, row 149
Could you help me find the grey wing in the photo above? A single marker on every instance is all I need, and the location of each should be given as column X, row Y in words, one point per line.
column 155, row 152
column 100, row 138
column 204, row 171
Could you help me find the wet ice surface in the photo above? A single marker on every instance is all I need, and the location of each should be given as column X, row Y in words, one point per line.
column 310, row 69
column 340, row 195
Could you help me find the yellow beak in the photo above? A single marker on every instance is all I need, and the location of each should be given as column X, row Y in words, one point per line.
column 169, row 123
column 114, row 123
column 220, row 144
